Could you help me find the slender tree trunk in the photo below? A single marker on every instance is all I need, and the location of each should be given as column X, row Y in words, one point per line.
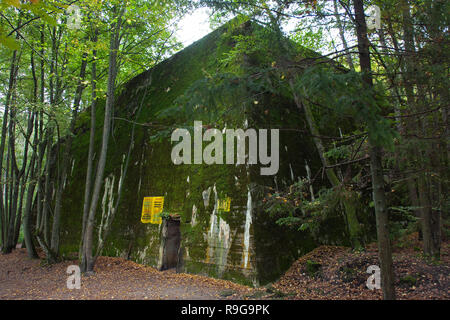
column 3, row 173
column 23, row 178
column 66, row 159
column 16, row 174
column 27, row 234
column 103, row 234
column 28, row 238
column 10, row 245
column 90, row 164
column 348, row 203
column 3, row 176
column 430, row 218
column 44, row 231
column 41, row 146
column 348, row 55
column 8, row 199
column 43, row 235
column 87, row 261
column 409, row 125
column 31, row 250
column 379, row 197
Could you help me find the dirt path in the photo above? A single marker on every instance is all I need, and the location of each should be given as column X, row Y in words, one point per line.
column 328, row 272
column 115, row 278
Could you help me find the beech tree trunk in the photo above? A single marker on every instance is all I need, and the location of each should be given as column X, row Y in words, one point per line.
column 66, row 158
column 90, row 160
column 27, row 234
column 87, row 259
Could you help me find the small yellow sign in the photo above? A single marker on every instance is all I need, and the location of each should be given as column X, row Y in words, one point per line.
column 224, row 204
column 151, row 210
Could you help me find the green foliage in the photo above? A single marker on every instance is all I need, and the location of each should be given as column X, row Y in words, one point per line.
column 165, row 215
column 295, row 209
column 311, row 38
column 222, row 98
column 312, row 267
column 44, row 10
column 345, row 95
column 338, row 153
column 408, row 280
column 402, row 222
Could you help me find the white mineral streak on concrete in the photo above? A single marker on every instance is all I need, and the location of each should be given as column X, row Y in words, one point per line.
column 205, row 194
column 219, row 238
column 213, row 221
column 194, row 216
column 73, row 165
column 224, row 233
column 107, row 204
column 188, row 193
column 223, row 244
column 248, row 222
column 212, row 227
column 236, row 181
column 292, row 172
column 143, row 253
column 308, row 172
column 121, row 171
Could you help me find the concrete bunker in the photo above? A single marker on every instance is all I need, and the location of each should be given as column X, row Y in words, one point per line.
column 244, row 244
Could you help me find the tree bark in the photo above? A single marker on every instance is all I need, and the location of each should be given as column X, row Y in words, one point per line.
column 16, row 174
column 348, row 203
column 379, row 197
column 87, row 261
column 348, row 55
column 27, row 234
column 428, row 186
column 4, row 175
column 66, row 159
column 90, row 160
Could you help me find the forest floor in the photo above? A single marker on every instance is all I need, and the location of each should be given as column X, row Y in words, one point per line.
column 114, row 278
column 328, row 272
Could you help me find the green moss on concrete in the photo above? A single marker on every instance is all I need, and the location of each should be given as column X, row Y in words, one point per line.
column 152, row 173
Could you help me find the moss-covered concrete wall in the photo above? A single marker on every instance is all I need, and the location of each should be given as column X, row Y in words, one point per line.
column 245, row 244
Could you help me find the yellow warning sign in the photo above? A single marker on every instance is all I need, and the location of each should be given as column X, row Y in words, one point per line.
column 224, row 204
column 151, row 210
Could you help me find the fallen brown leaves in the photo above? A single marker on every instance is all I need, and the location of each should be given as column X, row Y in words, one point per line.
column 328, row 272
column 114, row 278
column 342, row 274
